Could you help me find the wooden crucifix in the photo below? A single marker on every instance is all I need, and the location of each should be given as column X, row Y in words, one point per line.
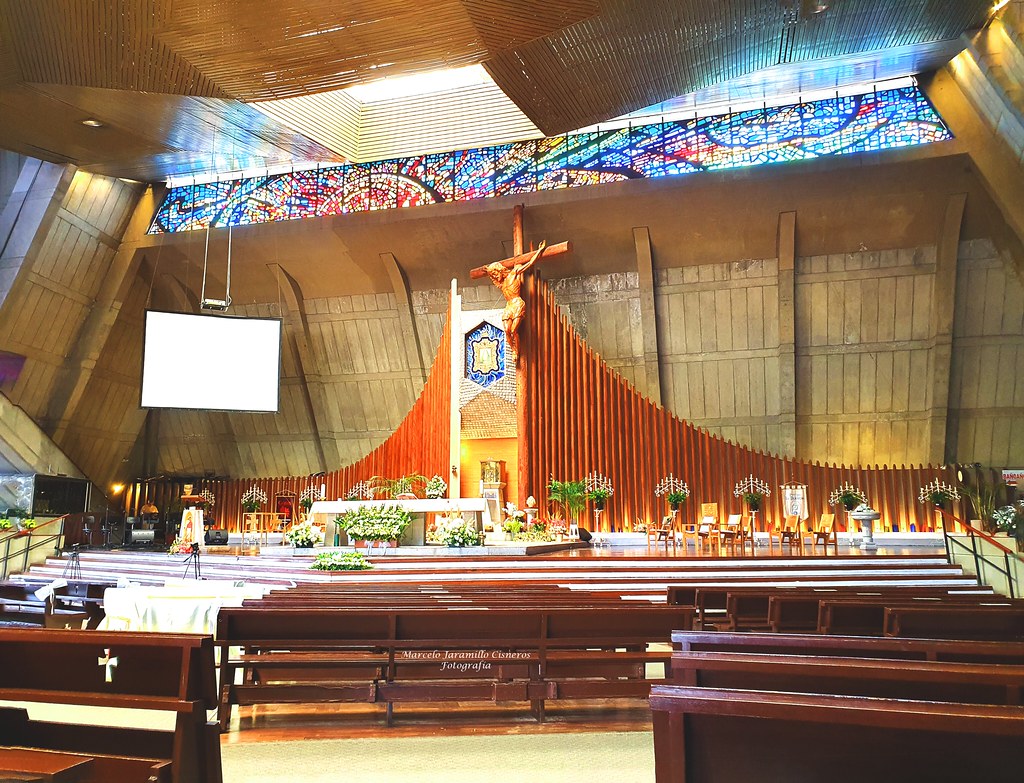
column 508, row 276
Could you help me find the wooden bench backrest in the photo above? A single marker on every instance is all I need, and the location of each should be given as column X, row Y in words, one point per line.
column 967, row 683
column 696, row 733
column 955, row 622
column 54, row 665
column 851, row 646
column 300, row 627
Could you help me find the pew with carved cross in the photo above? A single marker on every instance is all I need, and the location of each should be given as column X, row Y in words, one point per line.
column 160, row 672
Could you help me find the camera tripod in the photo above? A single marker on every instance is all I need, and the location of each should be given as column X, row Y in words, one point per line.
column 73, row 568
column 192, row 562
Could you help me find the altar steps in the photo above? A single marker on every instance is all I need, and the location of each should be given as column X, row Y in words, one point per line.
column 639, row 577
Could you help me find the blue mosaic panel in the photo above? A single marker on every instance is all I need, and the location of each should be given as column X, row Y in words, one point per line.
column 770, row 135
column 485, row 354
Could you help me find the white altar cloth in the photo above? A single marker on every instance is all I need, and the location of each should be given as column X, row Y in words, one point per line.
column 177, row 607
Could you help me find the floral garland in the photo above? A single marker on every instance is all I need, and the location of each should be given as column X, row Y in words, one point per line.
column 340, row 561
column 375, row 523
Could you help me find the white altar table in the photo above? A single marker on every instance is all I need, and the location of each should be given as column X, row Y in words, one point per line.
column 419, row 508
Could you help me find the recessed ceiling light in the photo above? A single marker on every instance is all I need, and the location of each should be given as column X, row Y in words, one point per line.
column 92, row 123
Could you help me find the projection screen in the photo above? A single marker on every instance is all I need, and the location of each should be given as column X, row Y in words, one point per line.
column 211, row 362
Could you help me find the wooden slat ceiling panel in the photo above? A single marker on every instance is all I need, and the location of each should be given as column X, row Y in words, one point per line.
column 639, row 52
column 264, row 49
column 110, row 44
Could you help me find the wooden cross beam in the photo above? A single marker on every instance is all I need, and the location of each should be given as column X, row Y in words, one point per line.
column 551, row 250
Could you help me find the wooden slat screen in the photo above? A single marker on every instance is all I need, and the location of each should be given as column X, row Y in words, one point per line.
column 581, row 416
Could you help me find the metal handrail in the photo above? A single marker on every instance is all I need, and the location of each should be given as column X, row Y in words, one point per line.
column 35, row 542
column 974, row 534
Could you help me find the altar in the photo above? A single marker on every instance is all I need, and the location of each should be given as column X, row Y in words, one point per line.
column 324, row 512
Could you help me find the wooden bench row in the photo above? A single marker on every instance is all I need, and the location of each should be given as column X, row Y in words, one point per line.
column 74, row 605
column 391, row 656
column 167, row 673
column 911, row 709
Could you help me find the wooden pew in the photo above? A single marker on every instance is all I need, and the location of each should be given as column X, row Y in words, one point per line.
column 165, row 672
column 710, row 735
column 389, row 656
column 999, row 623
column 866, row 617
column 967, row 683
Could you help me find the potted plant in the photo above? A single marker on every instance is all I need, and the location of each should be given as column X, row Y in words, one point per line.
column 304, row 536
column 396, row 487
column 513, row 526
column 5, row 524
column 1010, row 520
column 340, row 561
column 306, row 503
column 983, row 499
column 435, row 488
column 753, row 500
column 570, row 495
column 253, row 499
column 599, row 496
column 676, row 498
column 847, row 496
column 376, row 523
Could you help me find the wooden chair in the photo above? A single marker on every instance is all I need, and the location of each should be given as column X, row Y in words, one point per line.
column 731, row 531
column 825, row 533
column 688, row 532
column 791, row 534
column 707, row 528
column 663, row 531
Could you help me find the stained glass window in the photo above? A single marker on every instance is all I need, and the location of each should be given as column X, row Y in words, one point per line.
column 772, row 134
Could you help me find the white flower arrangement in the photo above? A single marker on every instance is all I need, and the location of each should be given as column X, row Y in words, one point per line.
column 375, row 523
column 340, row 561
column 435, row 487
column 305, row 535
column 456, row 532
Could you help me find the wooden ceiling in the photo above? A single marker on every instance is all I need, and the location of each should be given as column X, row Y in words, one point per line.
column 171, row 79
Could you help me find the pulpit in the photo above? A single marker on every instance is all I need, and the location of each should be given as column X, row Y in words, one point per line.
column 192, row 530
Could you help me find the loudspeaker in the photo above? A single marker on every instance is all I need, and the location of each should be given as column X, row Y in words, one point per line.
column 585, row 535
column 141, row 536
column 216, row 536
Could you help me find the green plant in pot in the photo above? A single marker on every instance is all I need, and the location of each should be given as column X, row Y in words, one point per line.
column 753, row 500
column 5, row 524
column 570, row 495
column 599, row 497
column 676, row 498
column 376, row 523
column 306, row 504
column 396, row 487
column 847, row 496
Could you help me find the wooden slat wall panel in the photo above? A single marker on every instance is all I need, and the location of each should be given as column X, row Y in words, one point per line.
column 987, row 369
column 862, row 352
column 56, row 290
column 719, row 329
column 584, row 417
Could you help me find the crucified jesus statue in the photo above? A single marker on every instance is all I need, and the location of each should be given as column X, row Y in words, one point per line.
column 510, row 281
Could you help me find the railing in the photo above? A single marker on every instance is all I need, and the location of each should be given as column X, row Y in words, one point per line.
column 35, row 539
column 990, row 561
